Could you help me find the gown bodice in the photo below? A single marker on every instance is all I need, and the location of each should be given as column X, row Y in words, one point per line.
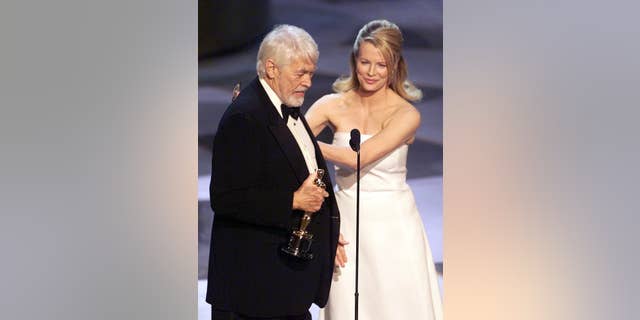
column 387, row 174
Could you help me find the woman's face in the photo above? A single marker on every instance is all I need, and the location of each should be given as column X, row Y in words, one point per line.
column 371, row 68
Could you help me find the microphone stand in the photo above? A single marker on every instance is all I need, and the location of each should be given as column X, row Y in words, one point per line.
column 357, row 227
column 354, row 143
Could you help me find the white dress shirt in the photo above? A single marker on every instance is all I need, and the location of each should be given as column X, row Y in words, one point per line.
column 297, row 130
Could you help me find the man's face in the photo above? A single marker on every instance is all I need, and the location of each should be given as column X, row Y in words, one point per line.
column 290, row 82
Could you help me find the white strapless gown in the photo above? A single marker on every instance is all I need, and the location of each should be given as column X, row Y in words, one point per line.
column 397, row 276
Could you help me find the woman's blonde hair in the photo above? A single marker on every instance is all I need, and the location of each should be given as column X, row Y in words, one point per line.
column 386, row 37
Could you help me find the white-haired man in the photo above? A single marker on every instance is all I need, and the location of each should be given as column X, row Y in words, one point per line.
column 262, row 181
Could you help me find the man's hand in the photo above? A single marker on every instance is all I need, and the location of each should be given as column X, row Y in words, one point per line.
column 309, row 197
column 341, row 254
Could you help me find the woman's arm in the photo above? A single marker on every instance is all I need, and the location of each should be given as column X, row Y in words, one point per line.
column 317, row 116
column 400, row 129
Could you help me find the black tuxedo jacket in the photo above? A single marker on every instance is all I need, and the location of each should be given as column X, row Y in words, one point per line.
column 256, row 167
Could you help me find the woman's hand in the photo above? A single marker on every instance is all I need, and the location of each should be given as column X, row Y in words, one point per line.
column 341, row 254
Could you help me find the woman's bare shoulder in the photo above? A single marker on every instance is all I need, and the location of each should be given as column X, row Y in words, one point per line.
column 404, row 109
column 331, row 99
column 405, row 118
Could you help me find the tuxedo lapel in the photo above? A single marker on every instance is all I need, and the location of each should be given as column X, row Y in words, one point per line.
column 290, row 148
column 281, row 133
column 319, row 158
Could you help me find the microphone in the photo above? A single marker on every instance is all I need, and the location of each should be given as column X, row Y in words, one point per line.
column 355, row 140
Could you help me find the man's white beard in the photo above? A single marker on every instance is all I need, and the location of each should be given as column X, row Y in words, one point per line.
column 294, row 102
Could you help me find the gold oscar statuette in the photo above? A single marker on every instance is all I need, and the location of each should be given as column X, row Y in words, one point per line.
column 299, row 244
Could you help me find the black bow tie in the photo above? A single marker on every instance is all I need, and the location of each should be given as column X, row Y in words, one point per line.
column 294, row 112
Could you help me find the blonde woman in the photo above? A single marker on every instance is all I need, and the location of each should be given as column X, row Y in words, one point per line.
column 397, row 278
